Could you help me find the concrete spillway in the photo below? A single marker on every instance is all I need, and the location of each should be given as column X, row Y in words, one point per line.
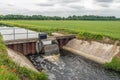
column 20, row 59
column 95, row 51
column 51, row 49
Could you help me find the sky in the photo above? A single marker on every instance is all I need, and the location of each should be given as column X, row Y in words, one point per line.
column 61, row 7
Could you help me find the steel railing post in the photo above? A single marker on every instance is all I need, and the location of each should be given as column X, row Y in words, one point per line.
column 27, row 33
column 14, row 33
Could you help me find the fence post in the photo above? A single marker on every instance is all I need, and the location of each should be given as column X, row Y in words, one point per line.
column 14, row 33
column 27, row 33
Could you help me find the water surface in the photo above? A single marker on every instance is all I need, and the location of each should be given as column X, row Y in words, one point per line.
column 73, row 67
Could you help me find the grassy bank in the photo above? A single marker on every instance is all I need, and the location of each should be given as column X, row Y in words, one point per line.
column 114, row 65
column 12, row 71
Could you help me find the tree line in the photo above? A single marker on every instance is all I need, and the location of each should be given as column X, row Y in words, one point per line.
column 40, row 17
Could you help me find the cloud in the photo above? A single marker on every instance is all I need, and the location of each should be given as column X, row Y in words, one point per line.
column 69, row 1
column 107, row 1
column 61, row 7
column 44, row 4
column 9, row 4
column 105, row 5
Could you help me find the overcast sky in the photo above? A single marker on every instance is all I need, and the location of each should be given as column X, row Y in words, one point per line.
column 61, row 7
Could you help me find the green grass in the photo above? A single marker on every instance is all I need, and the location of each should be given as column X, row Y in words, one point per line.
column 105, row 28
column 12, row 71
column 6, row 74
column 114, row 65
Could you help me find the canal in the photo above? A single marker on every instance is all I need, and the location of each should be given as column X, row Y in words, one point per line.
column 72, row 67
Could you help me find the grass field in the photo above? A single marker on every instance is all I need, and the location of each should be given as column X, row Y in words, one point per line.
column 107, row 28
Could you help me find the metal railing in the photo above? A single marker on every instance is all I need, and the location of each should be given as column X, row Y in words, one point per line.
column 12, row 32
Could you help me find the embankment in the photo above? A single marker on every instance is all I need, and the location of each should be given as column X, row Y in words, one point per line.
column 21, row 59
column 95, row 51
column 12, row 71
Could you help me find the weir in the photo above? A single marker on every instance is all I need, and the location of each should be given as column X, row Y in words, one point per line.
column 29, row 42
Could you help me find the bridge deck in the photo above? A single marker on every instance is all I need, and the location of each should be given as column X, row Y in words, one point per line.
column 18, row 41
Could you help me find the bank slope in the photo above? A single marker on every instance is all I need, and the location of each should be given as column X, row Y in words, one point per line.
column 9, row 70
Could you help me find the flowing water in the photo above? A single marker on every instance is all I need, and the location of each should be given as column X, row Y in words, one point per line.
column 72, row 67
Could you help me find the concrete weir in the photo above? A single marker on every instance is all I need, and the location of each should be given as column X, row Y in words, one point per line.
column 95, row 51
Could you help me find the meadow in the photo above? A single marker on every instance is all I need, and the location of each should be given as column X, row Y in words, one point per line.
column 106, row 28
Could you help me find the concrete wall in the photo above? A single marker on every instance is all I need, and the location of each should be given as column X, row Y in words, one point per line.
column 98, row 52
column 20, row 59
column 24, row 48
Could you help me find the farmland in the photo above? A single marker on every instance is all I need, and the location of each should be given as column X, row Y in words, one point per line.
column 106, row 28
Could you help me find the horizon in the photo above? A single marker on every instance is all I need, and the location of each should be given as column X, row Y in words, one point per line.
column 60, row 16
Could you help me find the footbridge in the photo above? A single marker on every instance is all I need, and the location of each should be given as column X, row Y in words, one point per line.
column 30, row 42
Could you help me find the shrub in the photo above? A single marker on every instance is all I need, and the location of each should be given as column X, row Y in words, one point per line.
column 6, row 74
column 87, row 36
